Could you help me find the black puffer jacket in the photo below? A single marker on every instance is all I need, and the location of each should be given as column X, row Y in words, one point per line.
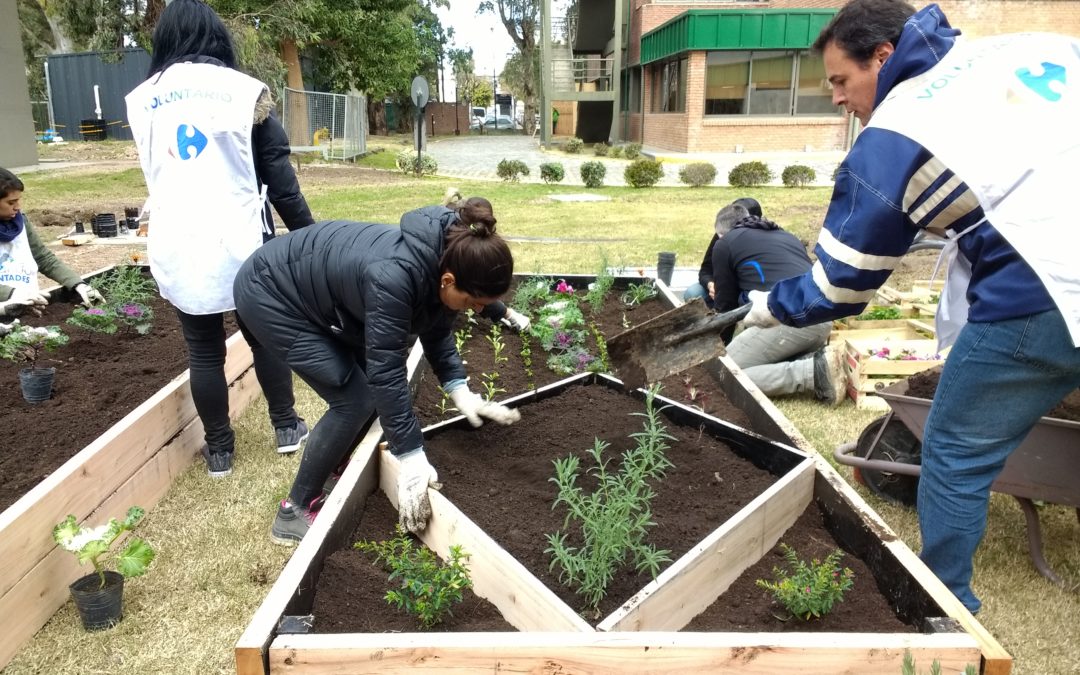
column 340, row 293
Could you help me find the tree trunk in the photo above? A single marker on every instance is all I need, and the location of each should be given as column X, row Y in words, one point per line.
column 297, row 125
column 376, row 117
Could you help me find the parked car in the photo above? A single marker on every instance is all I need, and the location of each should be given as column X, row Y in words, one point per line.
column 505, row 122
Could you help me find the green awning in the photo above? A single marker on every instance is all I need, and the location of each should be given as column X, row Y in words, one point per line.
column 714, row 29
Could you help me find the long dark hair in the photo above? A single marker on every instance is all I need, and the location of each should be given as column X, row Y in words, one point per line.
column 190, row 28
column 861, row 25
column 479, row 259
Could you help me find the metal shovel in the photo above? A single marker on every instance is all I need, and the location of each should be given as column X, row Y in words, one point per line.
column 670, row 343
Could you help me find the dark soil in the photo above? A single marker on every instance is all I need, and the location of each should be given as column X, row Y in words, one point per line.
column 925, row 384
column 514, row 374
column 500, row 477
column 99, row 379
column 744, row 607
column 350, row 594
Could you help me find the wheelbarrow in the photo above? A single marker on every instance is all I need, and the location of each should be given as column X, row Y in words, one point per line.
column 1044, row 467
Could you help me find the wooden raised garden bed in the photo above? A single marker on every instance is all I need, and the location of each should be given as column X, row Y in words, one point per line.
column 640, row 634
column 133, row 461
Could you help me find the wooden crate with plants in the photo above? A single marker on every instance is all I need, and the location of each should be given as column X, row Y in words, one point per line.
column 876, row 362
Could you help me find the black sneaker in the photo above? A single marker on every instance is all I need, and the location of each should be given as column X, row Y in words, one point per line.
column 293, row 522
column 830, row 381
column 289, row 439
column 218, row 464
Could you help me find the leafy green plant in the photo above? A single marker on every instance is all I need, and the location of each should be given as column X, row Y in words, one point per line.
column 643, row 173
column 526, row 361
column 601, row 348
column 136, row 315
column 94, row 319
column 427, row 589
column 552, row 172
column 592, row 174
column 511, row 170
column 632, row 150
column 573, row 145
column 809, row 589
column 798, row 175
column 444, row 402
column 529, row 292
column 601, row 149
column 574, row 360
column 125, row 284
column 612, row 521
column 636, row 294
column 880, row 313
column 28, row 343
column 749, row 174
column 697, row 174
column 407, row 162
column 490, row 383
column 615, row 152
column 600, row 287
column 91, row 545
column 908, row 666
column 494, row 338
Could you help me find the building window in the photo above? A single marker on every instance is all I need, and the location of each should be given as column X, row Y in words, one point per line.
column 766, row 83
column 669, row 86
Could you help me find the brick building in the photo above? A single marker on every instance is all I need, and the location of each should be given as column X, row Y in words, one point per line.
column 723, row 75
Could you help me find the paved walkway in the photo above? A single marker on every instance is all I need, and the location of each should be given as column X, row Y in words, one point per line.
column 476, row 157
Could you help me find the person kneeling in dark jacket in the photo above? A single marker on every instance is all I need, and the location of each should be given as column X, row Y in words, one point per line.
column 338, row 302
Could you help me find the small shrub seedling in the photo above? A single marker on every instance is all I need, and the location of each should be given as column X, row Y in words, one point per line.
column 809, row 589
column 427, row 589
column 552, row 172
column 91, row 545
column 27, row 343
column 637, row 294
column 879, row 313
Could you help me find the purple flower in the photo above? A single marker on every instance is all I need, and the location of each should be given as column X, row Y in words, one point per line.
column 96, row 311
column 564, row 287
column 563, row 340
column 132, row 310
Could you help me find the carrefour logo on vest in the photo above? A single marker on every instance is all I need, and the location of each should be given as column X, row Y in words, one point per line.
column 1049, row 84
column 190, row 142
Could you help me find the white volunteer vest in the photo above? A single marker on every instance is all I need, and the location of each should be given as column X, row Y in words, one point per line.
column 192, row 126
column 18, row 268
column 1003, row 113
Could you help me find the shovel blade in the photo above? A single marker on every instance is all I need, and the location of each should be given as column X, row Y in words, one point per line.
column 667, row 344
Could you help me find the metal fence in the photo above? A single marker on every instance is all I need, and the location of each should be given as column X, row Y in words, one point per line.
column 333, row 124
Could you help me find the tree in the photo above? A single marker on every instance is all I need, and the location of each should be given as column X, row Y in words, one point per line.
column 521, row 19
column 518, row 72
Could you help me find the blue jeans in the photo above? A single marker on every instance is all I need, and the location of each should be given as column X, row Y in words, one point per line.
column 696, row 291
column 999, row 379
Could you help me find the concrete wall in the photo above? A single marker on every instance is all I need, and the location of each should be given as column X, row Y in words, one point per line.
column 692, row 132
column 18, row 147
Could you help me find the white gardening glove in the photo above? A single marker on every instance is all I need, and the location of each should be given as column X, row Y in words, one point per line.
column 31, row 297
column 473, row 407
column 14, row 306
column 89, row 295
column 760, row 315
column 414, row 476
column 516, row 321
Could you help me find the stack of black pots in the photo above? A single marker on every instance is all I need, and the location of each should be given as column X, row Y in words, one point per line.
column 104, row 224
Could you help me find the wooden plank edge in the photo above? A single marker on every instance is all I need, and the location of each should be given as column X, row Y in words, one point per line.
column 694, row 581
column 740, row 389
column 80, row 484
column 806, row 653
column 251, row 648
column 524, row 601
column 32, row 601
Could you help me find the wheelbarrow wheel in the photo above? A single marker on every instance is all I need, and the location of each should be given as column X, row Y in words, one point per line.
column 896, row 444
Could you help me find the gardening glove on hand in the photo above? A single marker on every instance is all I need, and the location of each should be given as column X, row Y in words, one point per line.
column 89, row 295
column 473, row 407
column 14, row 306
column 30, row 297
column 760, row 315
column 414, row 476
column 516, row 321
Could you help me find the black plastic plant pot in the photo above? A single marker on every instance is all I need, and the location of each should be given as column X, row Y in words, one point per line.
column 100, row 607
column 105, row 225
column 37, row 383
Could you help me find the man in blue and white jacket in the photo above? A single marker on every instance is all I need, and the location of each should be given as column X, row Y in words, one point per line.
column 976, row 141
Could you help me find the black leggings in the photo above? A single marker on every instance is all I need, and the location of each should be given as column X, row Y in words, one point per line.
column 205, row 337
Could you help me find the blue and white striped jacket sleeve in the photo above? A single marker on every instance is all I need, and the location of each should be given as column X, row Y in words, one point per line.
column 887, row 189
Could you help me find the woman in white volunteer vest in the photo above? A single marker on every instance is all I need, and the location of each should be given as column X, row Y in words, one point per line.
column 23, row 255
column 213, row 153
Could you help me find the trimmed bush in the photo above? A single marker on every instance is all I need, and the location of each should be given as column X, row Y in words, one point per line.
column 511, row 170
column 697, row 174
column 632, row 150
column 407, row 163
column 643, row 173
column 615, row 151
column 551, row 172
column 601, row 149
column 574, row 145
column 592, row 174
column 749, row 174
column 798, row 175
